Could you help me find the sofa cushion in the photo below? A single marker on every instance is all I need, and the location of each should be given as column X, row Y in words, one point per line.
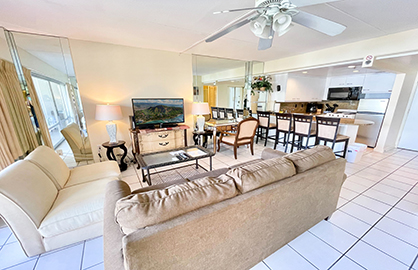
column 92, row 172
column 307, row 159
column 51, row 163
column 214, row 173
column 262, row 173
column 29, row 188
column 269, row 153
column 244, row 163
column 144, row 209
column 75, row 207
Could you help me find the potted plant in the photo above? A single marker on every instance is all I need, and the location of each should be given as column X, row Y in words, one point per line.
column 261, row 83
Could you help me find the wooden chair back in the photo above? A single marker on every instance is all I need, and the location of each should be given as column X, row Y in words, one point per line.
column 215, row 112
column 302, row 124
column 284, row 122
column 327, row 128
column 264, row 118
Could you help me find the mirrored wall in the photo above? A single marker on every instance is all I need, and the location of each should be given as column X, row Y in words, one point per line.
column 45, row 69
column 226, row 83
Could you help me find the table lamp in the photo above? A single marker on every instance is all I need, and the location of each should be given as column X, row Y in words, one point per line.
column 109, row 113
column 199, row 109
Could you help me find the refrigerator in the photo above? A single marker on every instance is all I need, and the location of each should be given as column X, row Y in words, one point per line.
column 372, row 110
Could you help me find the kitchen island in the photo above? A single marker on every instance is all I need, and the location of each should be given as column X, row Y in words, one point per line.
column 349, row 127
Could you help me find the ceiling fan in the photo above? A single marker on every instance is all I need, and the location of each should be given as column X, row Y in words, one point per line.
column 270, row 16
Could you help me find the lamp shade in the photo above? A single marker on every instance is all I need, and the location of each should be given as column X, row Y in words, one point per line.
column 200, row 108
column 108, row 112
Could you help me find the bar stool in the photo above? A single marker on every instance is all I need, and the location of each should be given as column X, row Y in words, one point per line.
column 215, row 113
column 222, row 113
column 230, row 113
column 302, row 127
column 284, row 125
column 327, row 131
column 264, row 125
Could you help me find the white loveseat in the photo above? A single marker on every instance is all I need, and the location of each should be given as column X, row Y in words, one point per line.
column 48, row 206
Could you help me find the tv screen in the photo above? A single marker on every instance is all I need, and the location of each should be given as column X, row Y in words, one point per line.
column 152, row 111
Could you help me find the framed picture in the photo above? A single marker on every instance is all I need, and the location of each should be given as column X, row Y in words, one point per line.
column 196, row 90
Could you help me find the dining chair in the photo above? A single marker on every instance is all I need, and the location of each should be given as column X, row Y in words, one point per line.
column 245, row 135
column 264, row 125
column 283, row 125
column 302, row 128
column 230, row 113
column 222, row 113
column 327, row 131
column 215, row 113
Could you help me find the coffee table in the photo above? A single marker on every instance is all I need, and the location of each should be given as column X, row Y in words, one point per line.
column 165, row 158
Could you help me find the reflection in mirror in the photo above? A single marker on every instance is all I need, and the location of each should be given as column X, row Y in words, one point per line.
column 219, row 82
column 48, row 59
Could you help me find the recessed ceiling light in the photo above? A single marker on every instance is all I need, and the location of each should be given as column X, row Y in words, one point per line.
column 355, row 70
column 304, row 72
column 351, row 66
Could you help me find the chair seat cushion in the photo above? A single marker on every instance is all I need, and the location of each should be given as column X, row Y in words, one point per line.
column 75, row 207
column 96, row 171
column 231, row 140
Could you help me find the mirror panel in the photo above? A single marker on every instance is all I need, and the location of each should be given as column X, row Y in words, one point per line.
column 49, row 60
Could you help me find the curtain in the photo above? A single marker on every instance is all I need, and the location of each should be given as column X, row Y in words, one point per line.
column 18, row 111
column 43, row 127
column 9, row 145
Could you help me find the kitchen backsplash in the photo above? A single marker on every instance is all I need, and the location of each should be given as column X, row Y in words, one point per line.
column 300, row 107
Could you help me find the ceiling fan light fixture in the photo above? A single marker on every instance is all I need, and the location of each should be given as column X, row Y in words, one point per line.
column 260, row 27
column 281, row 23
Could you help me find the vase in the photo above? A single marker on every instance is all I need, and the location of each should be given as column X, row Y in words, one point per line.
column 262, row 89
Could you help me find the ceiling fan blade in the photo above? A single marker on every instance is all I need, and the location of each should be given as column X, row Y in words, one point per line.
column 318, row 23
column 239, row 9
column 264, row 44
column 229, row 29
column 303, row 3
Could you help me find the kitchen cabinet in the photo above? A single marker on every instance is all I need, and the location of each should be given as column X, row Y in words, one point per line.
column 347, row 81
column 300, row 89
column 378, row 83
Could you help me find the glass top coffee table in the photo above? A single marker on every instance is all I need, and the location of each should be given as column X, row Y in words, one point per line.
column 170, row 157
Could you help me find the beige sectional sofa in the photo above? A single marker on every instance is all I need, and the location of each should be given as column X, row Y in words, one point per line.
column 225, row 219
column 48, row 206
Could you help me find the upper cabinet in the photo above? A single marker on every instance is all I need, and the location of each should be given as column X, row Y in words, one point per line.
column 346, row 81
column 301, row 88
column 379, row 83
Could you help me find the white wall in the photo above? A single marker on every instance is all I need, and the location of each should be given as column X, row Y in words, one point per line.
column 114, row 74
column 408, row 137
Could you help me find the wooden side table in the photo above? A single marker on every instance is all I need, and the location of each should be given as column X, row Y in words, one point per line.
column 111, row 155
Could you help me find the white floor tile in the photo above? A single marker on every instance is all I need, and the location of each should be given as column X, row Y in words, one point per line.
column 406, row 174
column 373, row 259
column 399, row 230
column 260, row 266
column 354, row 186
column 334, row 236
column 24, row 266
column 412, row 197
column 93, row 252
column 314, row 250
column 341, row 202
column 99, row 266
column 380, row 196
column 67, row 259
column 287, row 259
column 361, row 181
column 403, row 179
column 392, row 246
column 404, row 217
column 396, row 184
column 389, row 190
column 408, row 206
column 348, row 194
column 5, row 233
column 12, row 254
column 349, row 223
column 360, row 212
column 346, row 264
column 372, row 204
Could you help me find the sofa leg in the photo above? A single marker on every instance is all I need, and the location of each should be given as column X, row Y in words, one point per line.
column 327, row 218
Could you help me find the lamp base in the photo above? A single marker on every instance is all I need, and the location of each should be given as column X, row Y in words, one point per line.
column 111, row 130
column 200, row 121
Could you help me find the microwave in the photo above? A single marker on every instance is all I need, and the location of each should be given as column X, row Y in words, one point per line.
column 344, row 93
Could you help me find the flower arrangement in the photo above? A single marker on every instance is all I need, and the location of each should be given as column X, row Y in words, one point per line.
column 261, row 83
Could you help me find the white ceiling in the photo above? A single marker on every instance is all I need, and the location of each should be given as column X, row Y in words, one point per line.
column 176, row 25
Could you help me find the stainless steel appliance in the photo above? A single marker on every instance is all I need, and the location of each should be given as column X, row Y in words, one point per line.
column 344, row 93
column 372, row 110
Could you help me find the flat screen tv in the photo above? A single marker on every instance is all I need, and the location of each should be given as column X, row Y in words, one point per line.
column 157, row 111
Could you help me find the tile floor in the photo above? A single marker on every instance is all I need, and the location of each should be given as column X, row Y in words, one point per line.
column 374, row 227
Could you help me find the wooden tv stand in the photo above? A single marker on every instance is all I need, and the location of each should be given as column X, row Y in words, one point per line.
column 146, row 141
